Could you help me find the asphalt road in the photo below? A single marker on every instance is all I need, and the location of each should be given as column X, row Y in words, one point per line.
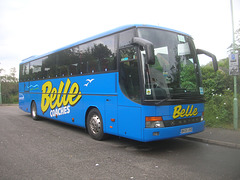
column 51, row 150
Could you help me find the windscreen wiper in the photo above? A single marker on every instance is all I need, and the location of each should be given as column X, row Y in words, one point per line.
column 161, row 101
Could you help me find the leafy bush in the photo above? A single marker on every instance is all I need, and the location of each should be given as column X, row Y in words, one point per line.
column 9, row 86
column 9, row 92
column 219, row 110
column 218, row 90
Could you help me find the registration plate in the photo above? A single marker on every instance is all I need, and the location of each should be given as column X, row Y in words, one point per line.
column 186, row 130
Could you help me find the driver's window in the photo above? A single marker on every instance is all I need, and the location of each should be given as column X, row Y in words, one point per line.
column 129, row 76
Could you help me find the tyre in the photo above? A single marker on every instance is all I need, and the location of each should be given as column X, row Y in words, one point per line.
column 34, row 111
column 95, row 125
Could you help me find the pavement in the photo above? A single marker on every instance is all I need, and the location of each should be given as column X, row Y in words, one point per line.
column 218, row 136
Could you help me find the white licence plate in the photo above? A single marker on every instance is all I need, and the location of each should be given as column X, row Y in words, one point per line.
column 186, row 130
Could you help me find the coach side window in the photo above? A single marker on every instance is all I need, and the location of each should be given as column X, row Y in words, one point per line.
column 49, row 67
column 87, row 59
column 67, row 62
column 62, row 65
column 98, row 55
column 105, row 52
column 25, row 72
column 82, row 66
column 21, row 73
column 74, row 61
column 36, row 69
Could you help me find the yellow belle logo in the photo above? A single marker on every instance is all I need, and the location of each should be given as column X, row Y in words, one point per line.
column 181, row 112
column 52, row 97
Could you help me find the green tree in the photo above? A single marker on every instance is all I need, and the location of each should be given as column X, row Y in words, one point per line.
column 213, row 82
column 9, row 86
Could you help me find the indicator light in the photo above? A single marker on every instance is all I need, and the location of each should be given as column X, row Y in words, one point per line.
column 154, row 118
column 113, row 120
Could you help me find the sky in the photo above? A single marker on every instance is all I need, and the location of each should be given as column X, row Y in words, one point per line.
column 30, row 27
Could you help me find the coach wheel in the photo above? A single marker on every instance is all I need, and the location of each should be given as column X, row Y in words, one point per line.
column 95, row 125
column 34, row 111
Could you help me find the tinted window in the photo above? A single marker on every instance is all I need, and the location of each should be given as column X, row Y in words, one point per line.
column 74, row 61
column 62, row 65
column 21, row 73
column 87, row 58
column 49, row 67
column 129, row 75
column 36, row 69
column 92, row 57
column 98, row 56
column 26, row 72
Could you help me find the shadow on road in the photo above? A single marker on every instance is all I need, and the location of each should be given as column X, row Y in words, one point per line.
column 151, row 148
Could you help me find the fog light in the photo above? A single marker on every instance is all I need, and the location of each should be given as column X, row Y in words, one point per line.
column 155, row 133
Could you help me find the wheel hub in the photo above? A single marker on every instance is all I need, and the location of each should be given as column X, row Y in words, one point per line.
column 95, row 124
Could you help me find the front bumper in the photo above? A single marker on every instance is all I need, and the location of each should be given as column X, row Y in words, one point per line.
column 155, row 134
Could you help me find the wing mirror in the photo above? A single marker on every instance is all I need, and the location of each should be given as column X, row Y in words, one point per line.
column 148, row 46
column 214, row 59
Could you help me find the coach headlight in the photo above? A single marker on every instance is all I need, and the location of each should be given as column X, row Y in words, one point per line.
column 154, row 122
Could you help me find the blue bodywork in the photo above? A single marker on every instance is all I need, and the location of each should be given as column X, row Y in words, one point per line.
column 105, row 94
